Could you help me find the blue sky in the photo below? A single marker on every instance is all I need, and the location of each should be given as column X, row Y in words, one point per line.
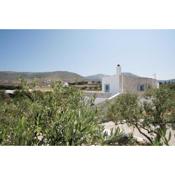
column 87, row 52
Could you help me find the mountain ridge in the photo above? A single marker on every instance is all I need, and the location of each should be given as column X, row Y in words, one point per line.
column 13, row 76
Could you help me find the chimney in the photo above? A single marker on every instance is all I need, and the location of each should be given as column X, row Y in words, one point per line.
column 119, row 69
column 119, row 78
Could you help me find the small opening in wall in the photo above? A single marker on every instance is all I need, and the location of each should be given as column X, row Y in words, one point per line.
column 107, row 88
column 141, row 87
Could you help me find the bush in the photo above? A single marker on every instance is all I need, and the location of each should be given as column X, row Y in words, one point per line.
column 125, row 107
column 58, row 117
column 152, row 117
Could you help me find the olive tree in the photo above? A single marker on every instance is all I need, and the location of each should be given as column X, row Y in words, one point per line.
column 152, row 116
column 159, row 114
column 61, row 116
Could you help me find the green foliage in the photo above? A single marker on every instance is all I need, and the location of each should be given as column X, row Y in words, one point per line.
column 159, row 113
column 64, row 116
column 125, row 107
column 152, row 115
column 117, row 137
column 59, row 117
column 169, row 85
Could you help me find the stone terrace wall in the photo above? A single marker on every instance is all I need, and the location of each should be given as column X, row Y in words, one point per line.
column 97, row 94
column 130, row 84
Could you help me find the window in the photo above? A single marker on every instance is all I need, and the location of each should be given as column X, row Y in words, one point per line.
column 141, row 87
column 107, row 88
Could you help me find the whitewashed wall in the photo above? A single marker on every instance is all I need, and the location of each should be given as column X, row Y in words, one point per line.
column 113, row 81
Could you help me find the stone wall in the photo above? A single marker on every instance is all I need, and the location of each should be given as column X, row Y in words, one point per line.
column 132, row 84
column 98, row 94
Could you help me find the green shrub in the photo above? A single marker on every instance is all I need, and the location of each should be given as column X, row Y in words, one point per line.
column 152, row 117
column 59, row 117
column 125, row 107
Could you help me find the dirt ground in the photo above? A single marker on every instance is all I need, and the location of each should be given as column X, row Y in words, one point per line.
column 130, row 130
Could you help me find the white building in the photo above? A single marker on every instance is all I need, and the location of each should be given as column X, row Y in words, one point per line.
column 126, row 82
column 112, row 84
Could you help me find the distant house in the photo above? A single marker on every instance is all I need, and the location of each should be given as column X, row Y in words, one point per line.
column 123, row 82
column 10, row 92
column 65, row 84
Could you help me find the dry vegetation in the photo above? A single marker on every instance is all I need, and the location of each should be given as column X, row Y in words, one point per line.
column 63, row 116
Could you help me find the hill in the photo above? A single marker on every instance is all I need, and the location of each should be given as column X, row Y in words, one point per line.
column 130, row 74
column 96, row 77
column 7, row 77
